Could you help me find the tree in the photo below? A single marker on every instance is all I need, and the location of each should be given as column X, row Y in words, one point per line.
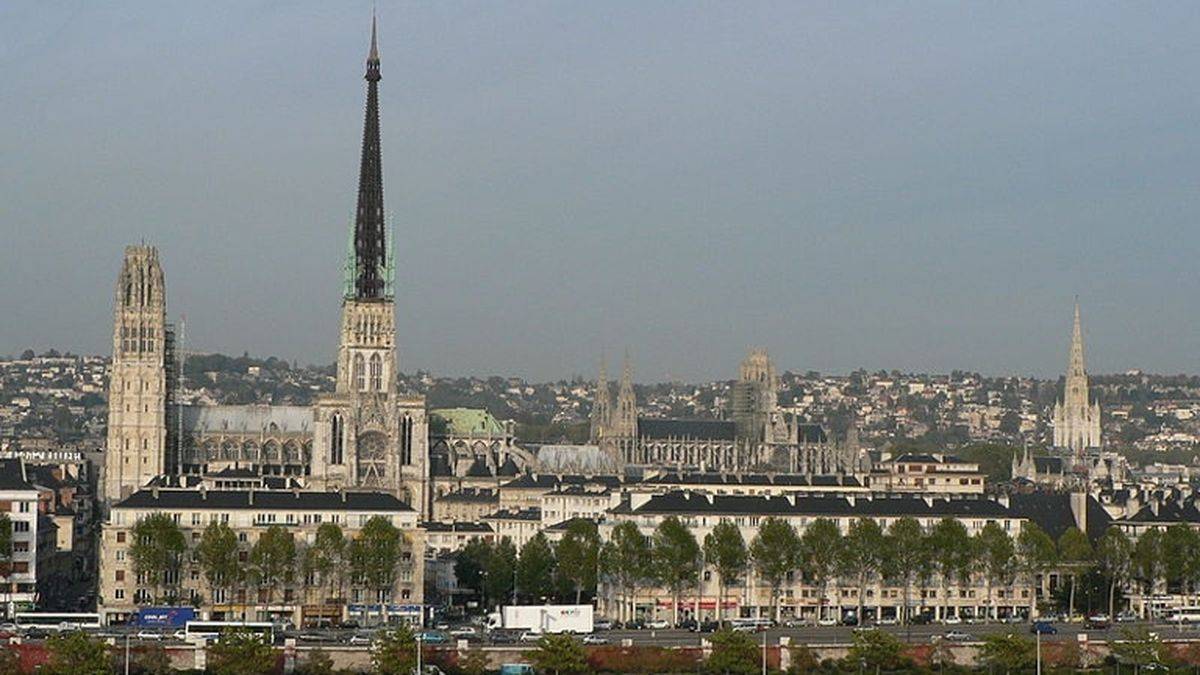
column 577, row 555
column 997, row 559
column 1139, row 648
column 394, row 652
column 75, row 653
column 1075, row 552
column 675, row 554
column 775, row 551
column 375, row 554
column 1181, row 556
column 470, row 565
column 863, row 556
column 725, row 550
column 1148, row 564
column 560, row 654
column 950, row 550
column 624, row 559
column 273, row 559
column 877, row 650
column 501, row 571
column 217, row 554
column 241, row 652
column 157, row 550
column 821, row 551
column 1113, row 553
column 1008, row 652
column 1035, row 554
column 151, row 660
column 906, row 553
column 733, row 653
column 10, row 660
column 535, row 569
column 325, row 559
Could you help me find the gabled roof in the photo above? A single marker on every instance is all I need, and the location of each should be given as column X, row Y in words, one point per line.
column 712, row 430
column 532, row 513
column 1052, row 512
column 12, row 475
column 549, row 481
column 479, row 469
column 695, row 503
column 215, row 419
column 508, row 468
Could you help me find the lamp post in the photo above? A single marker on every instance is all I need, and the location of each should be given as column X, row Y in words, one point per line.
column 419, row 668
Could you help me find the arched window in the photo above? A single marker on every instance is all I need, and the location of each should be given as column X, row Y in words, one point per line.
column 376, row 373
column 359, row 375
column 336, row 444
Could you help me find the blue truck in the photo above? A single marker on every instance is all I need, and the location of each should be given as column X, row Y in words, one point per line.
column 164, row 617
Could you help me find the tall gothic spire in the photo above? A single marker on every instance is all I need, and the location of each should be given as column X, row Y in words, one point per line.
column 1076, row 366
column 368, row 278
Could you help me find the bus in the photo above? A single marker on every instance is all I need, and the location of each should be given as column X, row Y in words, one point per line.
column 59, row 621
column 1183, row 615
column 212, row 630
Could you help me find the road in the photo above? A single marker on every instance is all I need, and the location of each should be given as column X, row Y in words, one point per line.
column 682, row 638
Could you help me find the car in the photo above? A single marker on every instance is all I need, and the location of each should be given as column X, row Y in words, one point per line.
column 603, row 624
column 35, row 633
column 709, row 626
column 315, row 637
column 827, row 621
column 887, row 621
column 1014, row 618
column 180, row 635
column 658, row 624
column 687, row 624
column 503, row 637
column 149, row 635
column 952, row 620
column 8, row 627
column 1097, row 622
column 849, row 620
column 1042, row 628
column 349, row 625
column 464, row 632
column 530, row 636
column 593, row 639
column 1127, row 617
column 361, row 639
column 442, row 626
column 433, row 638
column 957, row 636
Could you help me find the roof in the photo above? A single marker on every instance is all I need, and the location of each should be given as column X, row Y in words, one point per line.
column 782, row 505
column 468, row 422
column 715, row 430
column 1052, row 512
column 471, row 496
column 12, row 475
column 435, row 526
column 530, row 513
column 479, row 469
column 751, row 479
column 215, row 419
column 1170, row 511
column 550, row 481
column 271, row 500
column 1048, row 464
column 508, row 468
column 575, row 458
column 928, row 458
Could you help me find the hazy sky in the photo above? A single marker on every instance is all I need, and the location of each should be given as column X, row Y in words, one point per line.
column 921, row 186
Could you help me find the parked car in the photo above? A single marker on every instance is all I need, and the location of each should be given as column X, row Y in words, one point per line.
column 658, row 624
column 504, row 637
column 603, row 624
column 433, row 638
column 593, row 639
column 149, row 635
column 687, row 624
column 887, row 621
column 710, row 626
column 1097, row 622
column 957, row 636
column 827, row 621
column 952, row 620
column 464, row 632
column 361, row 639
column 530, row 636
column 1127, row 617
column 1042, row 628
column 635, row 624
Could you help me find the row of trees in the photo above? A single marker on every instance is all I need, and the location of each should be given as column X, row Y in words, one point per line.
column 274, row 562
column 565, row 571
column 905, row 555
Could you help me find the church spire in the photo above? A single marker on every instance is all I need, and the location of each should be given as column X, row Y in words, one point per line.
column 1076, row 365
column 369, row 276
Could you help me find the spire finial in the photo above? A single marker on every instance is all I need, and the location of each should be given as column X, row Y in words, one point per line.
column 373, row 56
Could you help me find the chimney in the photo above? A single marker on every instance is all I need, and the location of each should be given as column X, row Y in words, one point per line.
column 154, row 490
column 250, row 496
column 1003, row 500
column 1079, row 502
column 203, row 492
column 342, row 493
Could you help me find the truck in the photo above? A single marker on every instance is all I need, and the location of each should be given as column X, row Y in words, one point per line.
column 540, row 619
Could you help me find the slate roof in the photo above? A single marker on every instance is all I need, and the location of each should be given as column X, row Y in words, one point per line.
column 749, row 479
column 549, row 481
column 479, row 469
column 713, row 430
column 470, row 496
column 261, row 500
column 508, row 468
column 1051, row 511
column 694, row 503
column 1171, row 511
column 12, row 475
column 435, row 526
column 530, row 513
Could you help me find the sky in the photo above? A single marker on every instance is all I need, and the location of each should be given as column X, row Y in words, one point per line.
column 918, row 186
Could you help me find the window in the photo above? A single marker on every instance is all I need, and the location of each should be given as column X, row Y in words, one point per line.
column 24, row 506
column 119, row 594
column 337, row 439
column 376, row 373
column 20, row 526
column 360, row 382
column 121, row 555
column 120, row 575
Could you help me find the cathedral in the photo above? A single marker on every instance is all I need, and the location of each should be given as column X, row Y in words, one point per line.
column 758, row 437
column 1076, row 414
column 366, row 434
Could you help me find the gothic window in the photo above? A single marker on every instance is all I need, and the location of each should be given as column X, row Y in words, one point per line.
column 228, row 452
column 336, row 443
column 376, row 373
column 406, row 426
column 271, row 453
column 372, row 457
column 291, row 453
column 359, row 376
column 250, row 453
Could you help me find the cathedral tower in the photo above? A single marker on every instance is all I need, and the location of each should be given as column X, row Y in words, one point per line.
column 366, row 433
column 601, row 406
column 138, row 391
column 1076, row 416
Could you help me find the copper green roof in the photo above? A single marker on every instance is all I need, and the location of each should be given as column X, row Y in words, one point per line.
column 468, row 422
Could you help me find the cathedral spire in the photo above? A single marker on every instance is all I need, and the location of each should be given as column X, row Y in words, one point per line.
column 371, row 260
column 1076, row 365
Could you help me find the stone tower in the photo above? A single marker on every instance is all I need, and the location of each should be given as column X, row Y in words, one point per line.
column 1076, row 416
column 622, row 427
column 755, row 405
column 366, row 433
column 601, row 406
column 138, row 389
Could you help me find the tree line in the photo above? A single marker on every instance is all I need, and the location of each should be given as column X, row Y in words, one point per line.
column 565, row 571
column 322, row 569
